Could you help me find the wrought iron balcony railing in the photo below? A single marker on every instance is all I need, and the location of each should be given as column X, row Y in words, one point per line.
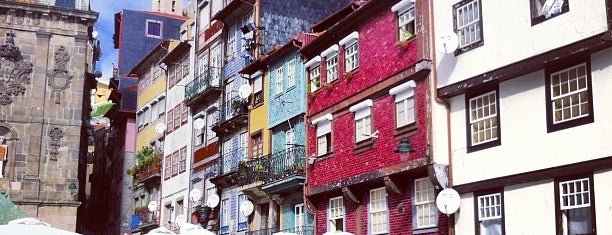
column 301, row 230
column 274, row 167
column 267, row 231
column 228, row 113
column 230, row 160
column 145, row 220
column 82, row 5
column 205, row 82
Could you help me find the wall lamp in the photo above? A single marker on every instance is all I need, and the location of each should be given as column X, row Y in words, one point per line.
column 249, row 27
column 405, row 147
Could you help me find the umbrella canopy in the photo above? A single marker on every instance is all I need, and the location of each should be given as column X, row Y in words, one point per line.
column 284, row 233
column 10, row 211
column 338, row 233
column 192, row 229
column 27, row 229
column 161, row 230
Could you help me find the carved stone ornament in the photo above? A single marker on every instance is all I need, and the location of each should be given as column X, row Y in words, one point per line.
column 14, row 72
column 59, row 79
column 56, row 135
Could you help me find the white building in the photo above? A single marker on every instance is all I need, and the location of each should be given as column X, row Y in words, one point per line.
column 528, row 92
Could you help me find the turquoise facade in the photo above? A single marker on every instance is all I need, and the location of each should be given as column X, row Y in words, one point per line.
column 291, row 101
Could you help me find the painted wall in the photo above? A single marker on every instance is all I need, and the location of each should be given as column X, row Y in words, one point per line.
column 292, row 100
column 525, row 143
column 509, row 36
column 279, row 137
column 603, row 205
column 258, row 118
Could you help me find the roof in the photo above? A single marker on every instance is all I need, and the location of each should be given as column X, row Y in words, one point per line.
column 233, row 9
column 160, row 48
column 176, row 53
column 333, row 18
column 277, row 52
column 178, row 17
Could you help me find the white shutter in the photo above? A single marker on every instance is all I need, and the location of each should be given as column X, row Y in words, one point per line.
column 362, row 113
column 323, row 128
column 257, row 84
column 404, row 95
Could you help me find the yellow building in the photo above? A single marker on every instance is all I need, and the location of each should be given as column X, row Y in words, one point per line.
column 260, row 143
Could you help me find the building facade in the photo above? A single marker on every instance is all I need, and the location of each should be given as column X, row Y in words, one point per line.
column 372, row 168
column 46, row 61
column 541, row 90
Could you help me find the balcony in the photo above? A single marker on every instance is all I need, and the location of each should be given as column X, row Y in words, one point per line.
column 302, row 230
column 144, row 221
column 205, row 88
column 228, row 165
column 231, row 116
column 281, row 172
column 82, row 5
column 267, row 231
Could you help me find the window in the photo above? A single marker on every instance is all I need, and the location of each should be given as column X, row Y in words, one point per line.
column 332, row 68
column 575, row 206
column 468, row 24
column 183, row 160
column 299, row 218
column 225, row 216
column 425, row 210
column 542, row 10
column 257, row 145
column 171, row 76
column 279, row 80
column 210, row 134
column 257, row 89
column 199, row 132
column 489, row 213
column 168, row 167
column 315, row 78
column 154, row 28
column 378, row 211
column 289, row 138
column 324, row 137
column 363, row 120
column 291, row 73
column 569, row 97
column 405, row 19
column 185, row 112
column 185, row 66
column 162, row 109
column 351, row 57
column 170, row 121
column 226, row 156
column 404, row 104
column 242, row 219
column 179, row 210
column 175, row 163
column 483, row 116
column 335, row 214
column 177, row 116
column 231, row 42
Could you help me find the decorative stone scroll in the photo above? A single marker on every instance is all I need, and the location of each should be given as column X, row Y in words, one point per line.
column 59, row 78
column 14, row 72
column 56, row 135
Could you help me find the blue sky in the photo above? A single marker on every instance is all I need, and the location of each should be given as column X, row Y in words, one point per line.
column 105, row 27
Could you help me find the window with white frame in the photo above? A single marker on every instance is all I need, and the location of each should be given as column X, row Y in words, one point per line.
column 289, row 146
column 405, row 111
column 210, row 134
column 575, row 204
column 183, row 160
column 313, row 66
column 484, row 117
column 225, row 216
column 378, row 215
column 299, row 217
column 569, row 97
column 226, row 156
column 168, row 166
column 363, row 120
column 258, row 95
column 331, row 61
column 199, row 133
column 291, row 73
column 154, row 28
column 175, row 163
column 490, row 213
column 231, row 42
column 468, row 23
column 425, row 210
column 324, row 137
column 242, row 219
column 335, row 214
column 278, row 82
column 544, row 9
column 351, row 57
column 405, row 19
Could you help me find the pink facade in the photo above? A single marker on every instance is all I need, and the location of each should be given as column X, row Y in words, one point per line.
column 130, row 135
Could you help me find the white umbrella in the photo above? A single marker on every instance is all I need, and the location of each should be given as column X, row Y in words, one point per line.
column 192, row 229
column 284, row 233
column 28, row 226
column 338, row 233
column 161, row 230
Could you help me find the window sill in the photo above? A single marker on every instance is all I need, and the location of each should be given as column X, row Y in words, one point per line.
column 406, row 43
column 485, row 145
column 406, row 131
column 470, row 47
column 425, row 230
column 542, row 18
column 364, row 145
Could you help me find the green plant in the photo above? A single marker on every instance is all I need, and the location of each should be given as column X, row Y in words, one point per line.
column 147, row 160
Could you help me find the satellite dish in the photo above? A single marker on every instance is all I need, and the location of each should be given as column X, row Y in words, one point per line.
column 244, row 91
column 199, row 124
column 447, row 43
column 179, row 219
column 160, row 128
column 94, row 34
column 152, row 206
column 246, row 207
column 448, row 201
column 195, row 195
column 212, row 201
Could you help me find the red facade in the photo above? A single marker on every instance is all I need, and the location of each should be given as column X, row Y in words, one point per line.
column 353, row 169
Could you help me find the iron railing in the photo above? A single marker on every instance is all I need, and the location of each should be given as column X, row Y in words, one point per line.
column 267, row 231
column 145, row 220
column 301, row 230
column 274, row 167
column 230, row 160
column 210, row 79
column 72, row 4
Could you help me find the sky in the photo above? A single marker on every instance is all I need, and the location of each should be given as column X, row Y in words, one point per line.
column 106, row 27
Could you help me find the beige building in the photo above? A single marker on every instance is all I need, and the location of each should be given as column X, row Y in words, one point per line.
column 46, row 56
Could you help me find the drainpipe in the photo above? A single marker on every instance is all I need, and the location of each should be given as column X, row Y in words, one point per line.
column 257, row 33
column 451, row 218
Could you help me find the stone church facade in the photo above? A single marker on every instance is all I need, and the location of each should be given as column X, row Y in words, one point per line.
column 46, row 69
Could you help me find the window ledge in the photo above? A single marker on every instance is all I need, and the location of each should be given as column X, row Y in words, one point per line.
column 364, row 145
column 406, row 43
column 406, row 131
column 425, row 230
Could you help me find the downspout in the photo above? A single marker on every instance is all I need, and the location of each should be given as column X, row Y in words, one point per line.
column 438, row 100
column 42, row 123
column 257, row 30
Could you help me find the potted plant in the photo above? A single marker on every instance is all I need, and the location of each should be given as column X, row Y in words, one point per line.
column 349, row 75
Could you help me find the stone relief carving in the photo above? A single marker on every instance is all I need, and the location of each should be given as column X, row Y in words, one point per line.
column 56, row 135
column 59, row 78
column 14, row 72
